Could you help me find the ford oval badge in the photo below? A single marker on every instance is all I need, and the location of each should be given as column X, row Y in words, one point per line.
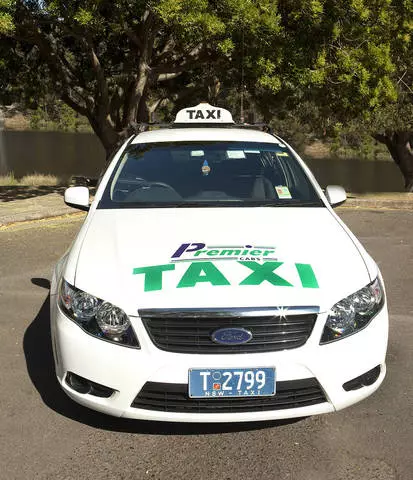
column 231, row 336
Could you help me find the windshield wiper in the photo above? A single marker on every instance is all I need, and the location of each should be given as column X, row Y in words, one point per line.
column 294, row 203
column 216, row 203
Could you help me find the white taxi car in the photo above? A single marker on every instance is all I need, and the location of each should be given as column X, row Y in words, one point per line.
column 212, row 282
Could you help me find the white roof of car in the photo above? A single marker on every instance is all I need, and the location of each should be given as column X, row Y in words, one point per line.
column 205, row 134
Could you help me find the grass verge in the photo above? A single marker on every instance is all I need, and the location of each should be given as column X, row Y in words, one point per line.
column 32, row 180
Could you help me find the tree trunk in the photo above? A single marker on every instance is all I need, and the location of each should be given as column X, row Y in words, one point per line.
column 109, row 137
column 400, row 146
column 109, row 134
column 3, row 160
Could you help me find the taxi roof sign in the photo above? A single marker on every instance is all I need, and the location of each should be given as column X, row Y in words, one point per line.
column 202, row 114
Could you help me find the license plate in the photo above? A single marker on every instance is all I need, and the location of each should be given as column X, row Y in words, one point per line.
column 231, row 382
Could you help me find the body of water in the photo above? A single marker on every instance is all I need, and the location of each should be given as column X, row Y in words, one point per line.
column 66, row 154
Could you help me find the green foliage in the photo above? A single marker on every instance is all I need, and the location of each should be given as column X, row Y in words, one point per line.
column 112, row 60
column 6, row 23
column 353, row 142
column 6, row 16
column 84, row 17
column 54, row 115
column 315, row 65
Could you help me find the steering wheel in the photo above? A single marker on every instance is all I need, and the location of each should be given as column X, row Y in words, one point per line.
column 146, row 183
column 162, row 185
column 142, row 184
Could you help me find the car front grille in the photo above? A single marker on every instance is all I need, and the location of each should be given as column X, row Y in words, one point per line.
column 191, row 331
column 171, row 397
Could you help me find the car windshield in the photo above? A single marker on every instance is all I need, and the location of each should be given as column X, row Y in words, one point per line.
column 208, row 174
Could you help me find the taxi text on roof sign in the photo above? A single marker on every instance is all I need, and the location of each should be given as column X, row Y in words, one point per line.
column 204, row 113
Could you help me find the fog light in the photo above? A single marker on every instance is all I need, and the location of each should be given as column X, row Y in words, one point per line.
column 364, row 380
column 80, row 384
column 83, row 385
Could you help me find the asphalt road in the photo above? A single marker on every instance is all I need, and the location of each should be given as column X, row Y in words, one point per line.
column 43, row 435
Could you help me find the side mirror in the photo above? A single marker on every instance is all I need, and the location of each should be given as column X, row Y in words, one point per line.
column 77, row 197
column 336, row 195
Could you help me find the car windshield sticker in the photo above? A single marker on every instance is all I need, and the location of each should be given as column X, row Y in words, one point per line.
column 282, row 191
column 197, row 153
column 205, row 168
column 235, row 154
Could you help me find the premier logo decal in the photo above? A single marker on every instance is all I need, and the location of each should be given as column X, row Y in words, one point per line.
column 201, row 252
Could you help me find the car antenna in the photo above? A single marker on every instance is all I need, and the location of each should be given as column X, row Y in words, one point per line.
column 242, row 80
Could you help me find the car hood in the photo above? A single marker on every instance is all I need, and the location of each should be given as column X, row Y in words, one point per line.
column 219, row 257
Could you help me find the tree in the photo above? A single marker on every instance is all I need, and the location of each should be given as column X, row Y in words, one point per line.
column 115, row 61
column 394, row 125
column 389, row 122
column 363, row 74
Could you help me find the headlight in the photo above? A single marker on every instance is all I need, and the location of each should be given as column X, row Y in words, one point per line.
column 98, row 318
column 354, row 312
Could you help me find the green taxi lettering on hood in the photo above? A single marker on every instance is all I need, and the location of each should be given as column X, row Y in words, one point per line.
column 307, row 276
column 201, row 272
column 210, row 272
column 264, row 271
column 153, row 276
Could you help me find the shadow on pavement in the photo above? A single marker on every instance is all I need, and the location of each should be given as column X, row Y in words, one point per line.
column 40, row 366
column 10, row 193
column 41, row 282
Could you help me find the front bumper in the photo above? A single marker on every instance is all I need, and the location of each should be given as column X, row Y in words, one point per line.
column 127, row 370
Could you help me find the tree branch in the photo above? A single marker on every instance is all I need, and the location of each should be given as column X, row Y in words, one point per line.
column 135, row 40
column 66, row 97
column 100, row 77
column 115, row 106
column 163, row 77
column 380, row 137
column 136, row 90
column 61, row 73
